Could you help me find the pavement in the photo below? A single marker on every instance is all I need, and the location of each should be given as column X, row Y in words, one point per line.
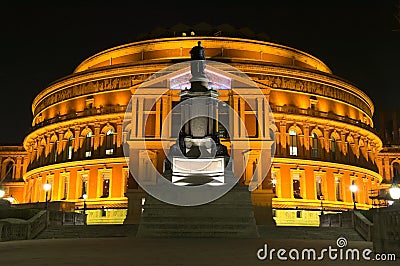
column 169, row 251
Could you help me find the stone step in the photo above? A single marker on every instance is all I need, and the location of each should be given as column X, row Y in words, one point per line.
column 90, row 231
column 231, row 215
column 300, row 232
column 268, row 232
column 198, row 220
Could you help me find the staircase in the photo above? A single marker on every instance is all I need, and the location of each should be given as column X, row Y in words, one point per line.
column 230, row 216
column 88, row 231
column 307, row 232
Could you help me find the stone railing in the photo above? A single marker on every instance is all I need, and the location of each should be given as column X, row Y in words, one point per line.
column 108, row 109
column 363, row 226
column 344, row 219
column 67, row 218
column 25, row 230
column 386, row 236
column 316, row 113
column 354, row 220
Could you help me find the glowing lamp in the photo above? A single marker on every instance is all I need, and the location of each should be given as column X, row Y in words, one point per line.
column 394, row 192
column 353, row 188
column 46, row 187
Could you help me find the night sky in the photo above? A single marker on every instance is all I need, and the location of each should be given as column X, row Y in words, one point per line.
column 358, row 40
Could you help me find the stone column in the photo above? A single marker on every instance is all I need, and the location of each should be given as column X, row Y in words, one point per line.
column 96, row 137
column 282, row 131
column 166, row 108
column 61, row 142
column 242, row 117
column 134, row 118
column 388, row 172
column 77, row 138
column 139, row 115
column 158, row 123
column 119, row 134
column 306, row 129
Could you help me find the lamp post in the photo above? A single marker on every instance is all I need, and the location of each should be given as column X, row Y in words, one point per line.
column 321, row 198
column 353, row 189
column 84, row 196
column 47, row 188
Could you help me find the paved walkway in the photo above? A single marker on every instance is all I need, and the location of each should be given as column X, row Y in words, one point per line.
column 137, row 251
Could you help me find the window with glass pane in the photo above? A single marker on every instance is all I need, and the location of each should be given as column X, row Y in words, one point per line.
column 292, row 142
column 88, row 145
column 333, row 148
column 70, row 148
column 84, row 187
column 65, row 188
column 314, row 145
column 110, row 142
column 296, row 186
column 55, row 145
column 106, row 187
column 338, row 189
column 318, row 187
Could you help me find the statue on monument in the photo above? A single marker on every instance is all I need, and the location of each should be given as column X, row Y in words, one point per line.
column 197, row 52
column 198, row 141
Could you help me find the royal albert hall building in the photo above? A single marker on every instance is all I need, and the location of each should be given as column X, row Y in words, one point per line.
column 323, row 130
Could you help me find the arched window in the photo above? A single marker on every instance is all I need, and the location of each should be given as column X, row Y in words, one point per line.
column 273, row 138
column 292, row 142
column 314, row 145
column 109, row 142
column 70, row 149
column 9, row 171
column 87, row 145
column 333, row 148
column 396, row 169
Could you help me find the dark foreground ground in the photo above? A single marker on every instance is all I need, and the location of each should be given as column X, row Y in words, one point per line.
column 140, row 251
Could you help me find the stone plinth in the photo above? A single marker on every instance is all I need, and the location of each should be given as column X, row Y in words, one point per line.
column 386, row 230
column 230, row 216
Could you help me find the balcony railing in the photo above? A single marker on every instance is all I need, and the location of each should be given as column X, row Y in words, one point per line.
column 316, row 113
column 322, row 155
column 109, row 109
column 78, row 155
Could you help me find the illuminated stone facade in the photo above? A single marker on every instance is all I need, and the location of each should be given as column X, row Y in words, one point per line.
column 323, row 129
column 13, row 165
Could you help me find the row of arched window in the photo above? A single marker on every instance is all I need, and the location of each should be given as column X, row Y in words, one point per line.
column 71, row 147
column 293, row 144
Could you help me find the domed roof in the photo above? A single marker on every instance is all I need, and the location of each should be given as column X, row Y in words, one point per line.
column 203, row 29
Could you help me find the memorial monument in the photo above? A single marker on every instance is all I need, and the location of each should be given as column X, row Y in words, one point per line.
column 198, row 158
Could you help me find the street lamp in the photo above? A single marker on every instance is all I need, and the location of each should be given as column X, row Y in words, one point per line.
column 47, row 188
column 353, row 189
column 10, row 199
column 394, row 192
column 84, row 196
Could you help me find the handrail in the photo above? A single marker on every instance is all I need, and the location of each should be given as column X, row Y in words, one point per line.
column 363, row 226
column 26, row 230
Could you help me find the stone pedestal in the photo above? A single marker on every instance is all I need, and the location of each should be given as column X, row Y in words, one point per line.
column 134, row 205
column 386, row 230
column 262, row 201
column 230, row 216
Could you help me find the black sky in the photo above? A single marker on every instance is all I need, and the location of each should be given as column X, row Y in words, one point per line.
column 358, row 40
